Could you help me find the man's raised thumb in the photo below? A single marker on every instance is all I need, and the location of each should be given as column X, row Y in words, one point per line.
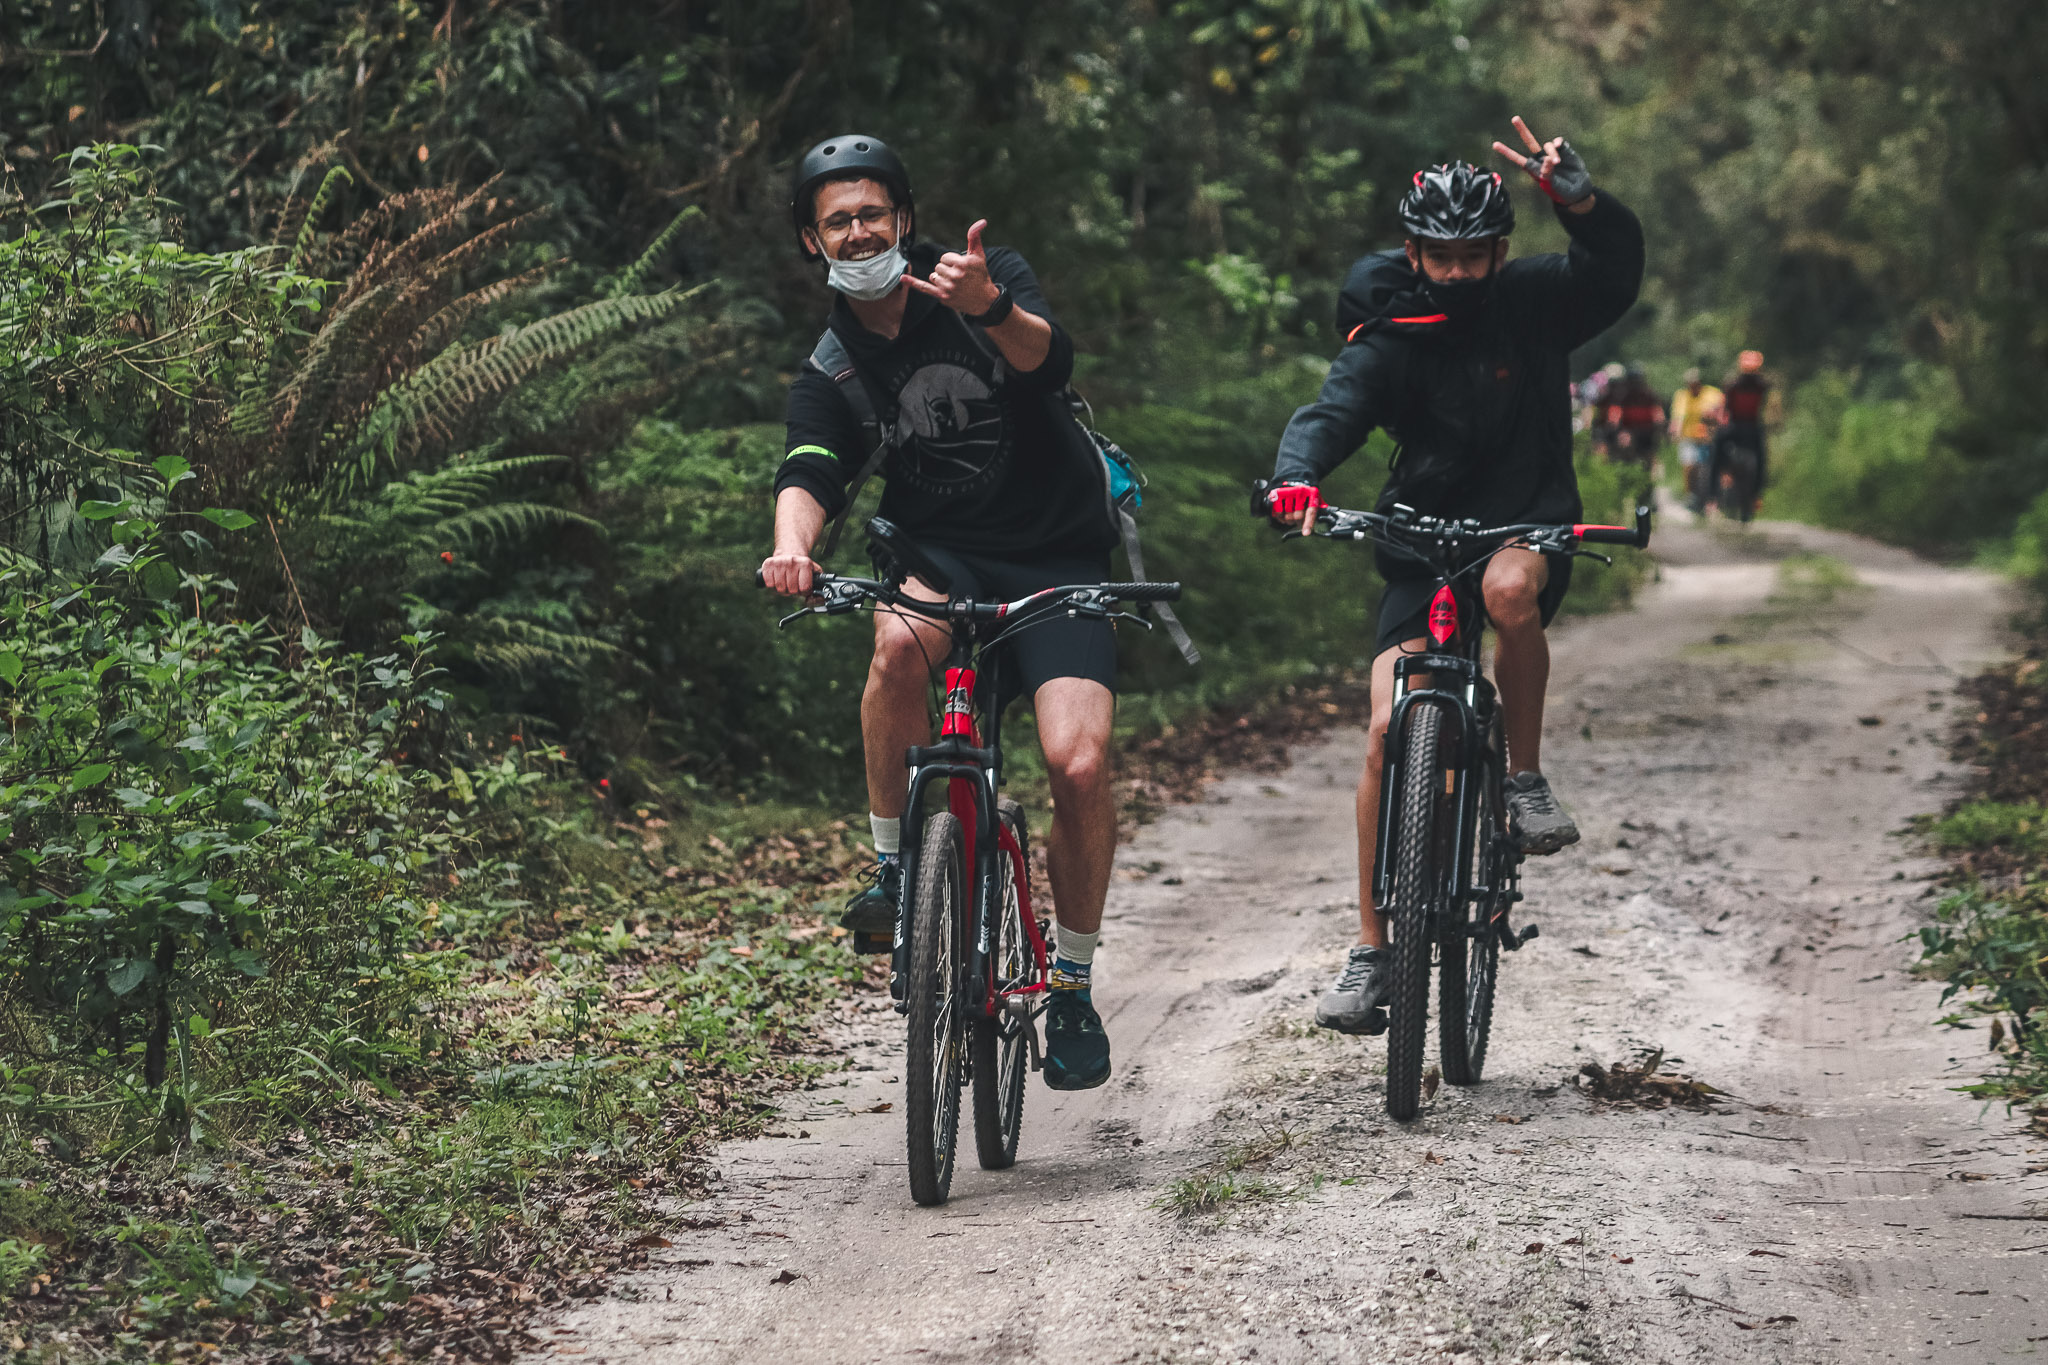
column 974, row 237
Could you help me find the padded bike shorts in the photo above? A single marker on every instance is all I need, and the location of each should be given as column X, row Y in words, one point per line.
column 1404, row 603
column 1060, row 646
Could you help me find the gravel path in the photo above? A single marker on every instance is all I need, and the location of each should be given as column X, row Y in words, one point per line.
column 1741, row 752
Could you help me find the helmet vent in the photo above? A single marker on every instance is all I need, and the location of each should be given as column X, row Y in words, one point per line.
column 860, row 146
column 831, row 151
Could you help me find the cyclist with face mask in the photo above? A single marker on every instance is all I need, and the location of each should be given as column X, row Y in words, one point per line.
column 948, row 368
column 1461, row 356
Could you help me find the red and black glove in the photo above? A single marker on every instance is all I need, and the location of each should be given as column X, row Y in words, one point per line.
column 1287, row 502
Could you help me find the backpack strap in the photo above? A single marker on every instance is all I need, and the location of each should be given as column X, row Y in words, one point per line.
column 831, row 359
column 1127, row 527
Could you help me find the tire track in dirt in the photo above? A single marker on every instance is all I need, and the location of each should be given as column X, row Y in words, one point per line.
column 1739, row 901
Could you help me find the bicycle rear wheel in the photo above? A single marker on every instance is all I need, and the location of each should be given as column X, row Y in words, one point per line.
column 1000, row 1056
column 1417, row 879
column 936, row 1051
column 1738, row 484
column 1471, row 941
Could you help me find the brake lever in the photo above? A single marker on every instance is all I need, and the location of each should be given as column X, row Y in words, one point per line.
column 1608, row 560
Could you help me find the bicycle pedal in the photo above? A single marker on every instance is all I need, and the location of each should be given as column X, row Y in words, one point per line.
column 864, row 942
column 1529, row 931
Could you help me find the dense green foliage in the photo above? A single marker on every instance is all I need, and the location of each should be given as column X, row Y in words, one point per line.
column 389, row 395
column 1855, row 189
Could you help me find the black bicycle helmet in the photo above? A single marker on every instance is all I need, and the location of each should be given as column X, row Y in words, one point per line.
column 1457, row 201
column 850, row 156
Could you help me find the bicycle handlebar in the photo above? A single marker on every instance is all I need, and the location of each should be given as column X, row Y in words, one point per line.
column 840, row 593
column 1406, row 523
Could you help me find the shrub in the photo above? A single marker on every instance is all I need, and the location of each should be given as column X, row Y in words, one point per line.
column 210, row 847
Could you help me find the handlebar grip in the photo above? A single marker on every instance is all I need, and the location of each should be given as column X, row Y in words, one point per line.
column 1637, row 535
column 1146, row 592
column 1259, row 490
column 760, row 579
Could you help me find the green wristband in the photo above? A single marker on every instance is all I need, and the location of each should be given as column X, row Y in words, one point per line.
column 809, row 450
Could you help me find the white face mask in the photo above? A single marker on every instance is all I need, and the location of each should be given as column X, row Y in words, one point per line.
column 874, row 277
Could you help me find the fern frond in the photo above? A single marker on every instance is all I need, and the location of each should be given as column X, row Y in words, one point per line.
column 501, row 523
column 429, row 402
column 302, row 240
column 633, row 279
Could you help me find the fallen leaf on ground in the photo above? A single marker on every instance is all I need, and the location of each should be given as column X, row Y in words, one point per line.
column 1643, row 1086
column 1532, row 1248
column 649, row 1242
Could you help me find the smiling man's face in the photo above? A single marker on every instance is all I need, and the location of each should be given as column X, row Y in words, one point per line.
column 854, row 219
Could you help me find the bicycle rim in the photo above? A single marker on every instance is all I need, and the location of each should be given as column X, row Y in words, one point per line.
column 1463, row 1039
column 1000, row 1056
column 932, row 1066
column 1414, row 894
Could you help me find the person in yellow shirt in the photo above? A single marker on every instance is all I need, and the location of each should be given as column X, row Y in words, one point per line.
column 1695, row 409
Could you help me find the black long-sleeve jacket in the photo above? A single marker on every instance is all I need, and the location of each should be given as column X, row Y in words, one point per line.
column 1481, row 410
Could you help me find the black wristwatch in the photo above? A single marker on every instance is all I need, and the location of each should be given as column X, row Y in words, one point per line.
column 997, row 311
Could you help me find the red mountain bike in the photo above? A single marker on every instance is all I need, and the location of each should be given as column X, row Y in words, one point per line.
column 1447, row 873
column 968, row 968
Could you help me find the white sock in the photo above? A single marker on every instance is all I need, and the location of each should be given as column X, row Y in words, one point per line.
column 1078, row 949
column 888, row 833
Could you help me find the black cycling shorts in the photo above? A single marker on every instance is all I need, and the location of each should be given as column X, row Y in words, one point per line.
column 1404, row 604
column 1058, row 647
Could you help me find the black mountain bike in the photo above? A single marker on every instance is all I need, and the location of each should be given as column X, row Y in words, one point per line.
column 968, row 967
column 1447, row 873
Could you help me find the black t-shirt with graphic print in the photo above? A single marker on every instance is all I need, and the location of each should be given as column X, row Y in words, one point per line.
column 981, row 463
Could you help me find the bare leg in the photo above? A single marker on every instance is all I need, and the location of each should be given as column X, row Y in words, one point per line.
column 1074, row 718
column 894, row 710
column 1521, row 652
column 1371, row 929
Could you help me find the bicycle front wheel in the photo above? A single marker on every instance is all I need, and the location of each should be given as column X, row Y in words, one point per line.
column 1417, row 881
column 1471, row 941
column 936, row 1052
column 1000, row 1056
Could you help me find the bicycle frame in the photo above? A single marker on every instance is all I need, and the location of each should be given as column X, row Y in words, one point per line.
column 1458, row 685
column 972, row 772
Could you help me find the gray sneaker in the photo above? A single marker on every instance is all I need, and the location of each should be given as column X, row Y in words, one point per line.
column 1538, row 823
column 1357, row 1003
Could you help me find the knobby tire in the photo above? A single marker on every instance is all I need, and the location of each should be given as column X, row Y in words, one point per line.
column 1001, row 1058
column 1471, row 940
column 1415, row 889
column 936, row 1051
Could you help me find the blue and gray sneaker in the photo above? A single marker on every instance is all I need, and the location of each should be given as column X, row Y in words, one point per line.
column 1076, row 1048
column 871, row 915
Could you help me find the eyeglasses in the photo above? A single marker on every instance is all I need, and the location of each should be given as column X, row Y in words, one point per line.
column 871, row 217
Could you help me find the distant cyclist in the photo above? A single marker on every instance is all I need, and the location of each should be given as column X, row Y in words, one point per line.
column 1461, row 355
column 1635, row 419
column 959, row 355
column 1746, row 403
column 1695, row 411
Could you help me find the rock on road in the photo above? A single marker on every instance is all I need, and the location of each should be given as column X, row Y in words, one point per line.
column 1741, row 750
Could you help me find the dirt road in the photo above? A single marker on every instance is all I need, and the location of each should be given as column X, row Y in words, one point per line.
column 1740, row 751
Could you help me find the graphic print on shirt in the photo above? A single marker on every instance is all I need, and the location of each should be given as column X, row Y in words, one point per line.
column 950, row 435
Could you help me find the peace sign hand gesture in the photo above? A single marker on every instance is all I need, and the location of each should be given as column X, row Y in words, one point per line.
column 1553, row 165
column 960, row 279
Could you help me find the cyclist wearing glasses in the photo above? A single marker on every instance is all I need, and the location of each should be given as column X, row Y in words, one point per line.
column 959, row 359
column 1462, row 356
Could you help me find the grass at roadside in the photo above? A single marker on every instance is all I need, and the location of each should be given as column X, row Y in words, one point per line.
column 430, row 1204
column 1989, row 938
